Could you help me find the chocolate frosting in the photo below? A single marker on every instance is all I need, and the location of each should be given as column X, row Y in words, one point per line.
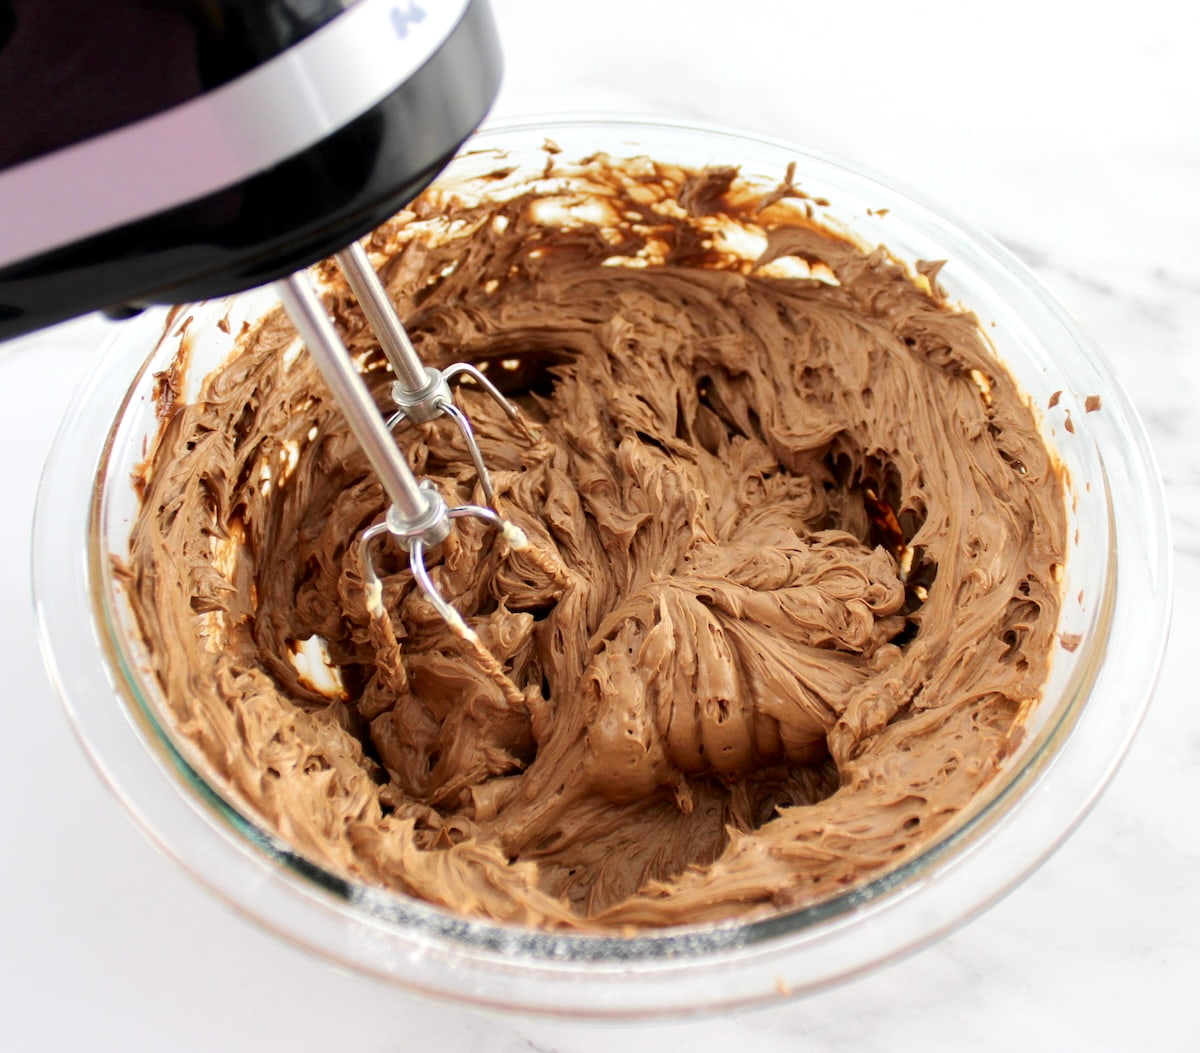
column 792, row 588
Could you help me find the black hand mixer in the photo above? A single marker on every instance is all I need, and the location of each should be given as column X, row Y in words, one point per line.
column 162, row 151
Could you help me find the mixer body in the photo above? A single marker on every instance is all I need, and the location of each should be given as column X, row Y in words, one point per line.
column 160, row 151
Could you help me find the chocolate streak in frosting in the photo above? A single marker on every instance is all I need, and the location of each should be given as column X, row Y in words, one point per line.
column 806, row 536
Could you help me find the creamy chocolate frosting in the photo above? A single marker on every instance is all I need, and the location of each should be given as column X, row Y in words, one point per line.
column 792, row 590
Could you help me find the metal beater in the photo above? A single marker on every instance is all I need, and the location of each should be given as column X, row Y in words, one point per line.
column 418, row 517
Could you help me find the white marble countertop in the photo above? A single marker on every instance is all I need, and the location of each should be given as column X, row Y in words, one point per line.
column 1074, row 136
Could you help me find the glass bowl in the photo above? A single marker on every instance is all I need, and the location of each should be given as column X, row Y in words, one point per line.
column 1116, row 589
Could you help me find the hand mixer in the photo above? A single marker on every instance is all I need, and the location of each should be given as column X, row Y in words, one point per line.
column 160, row 151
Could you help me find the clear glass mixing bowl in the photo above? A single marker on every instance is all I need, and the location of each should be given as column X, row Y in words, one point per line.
column 1117, row 585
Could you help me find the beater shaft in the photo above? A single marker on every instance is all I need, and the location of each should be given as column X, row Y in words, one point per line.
column 325, row 346
column 421, row 393
column 410, row 371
